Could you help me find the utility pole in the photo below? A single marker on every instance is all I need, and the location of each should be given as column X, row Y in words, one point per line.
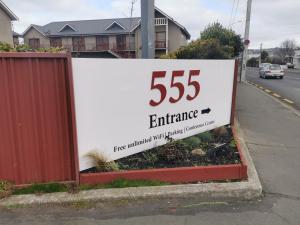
column 147, row 12
column 246, row 41
column 260, row 51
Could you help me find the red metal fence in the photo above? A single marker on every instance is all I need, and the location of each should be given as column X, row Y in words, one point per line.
column 37, row 124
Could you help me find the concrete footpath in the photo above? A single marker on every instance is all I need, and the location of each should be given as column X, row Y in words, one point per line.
column 272, row 134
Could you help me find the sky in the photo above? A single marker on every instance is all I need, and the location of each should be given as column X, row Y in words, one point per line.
column 272, row 21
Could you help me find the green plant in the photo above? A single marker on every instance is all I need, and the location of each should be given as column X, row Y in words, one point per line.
column 174, row 150
column 41, row 189
column 227, row 37
column 52, row 49
column 192, row 142
column 100, row 162
column 22, row 48
column 5, row 47
column 264, row 56
column 5, row 189
column 232, row 144
column 252, row 62
column 122, row 183
column 205, row 137
column 171, row 55
column 204, row 49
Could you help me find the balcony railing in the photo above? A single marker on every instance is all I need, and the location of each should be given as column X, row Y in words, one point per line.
column 160, row 44
column 160, row 21
column 105, row 47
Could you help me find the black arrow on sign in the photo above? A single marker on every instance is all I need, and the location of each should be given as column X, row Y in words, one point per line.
column 206, row 111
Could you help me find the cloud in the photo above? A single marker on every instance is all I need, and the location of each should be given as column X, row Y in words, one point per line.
column 271, row 22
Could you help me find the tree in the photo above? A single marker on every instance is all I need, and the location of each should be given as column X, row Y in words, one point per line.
column 288, row 46
column 264, row 56
column 277, row 60
column 286, row 50
column 204, row 49
column 227, row 37
column 216, row 42
column 253, row 62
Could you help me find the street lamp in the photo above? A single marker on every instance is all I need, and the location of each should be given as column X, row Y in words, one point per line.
column 230, row 25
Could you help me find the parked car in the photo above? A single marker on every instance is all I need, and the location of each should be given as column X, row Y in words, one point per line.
column 290, row 65
column 271, row 71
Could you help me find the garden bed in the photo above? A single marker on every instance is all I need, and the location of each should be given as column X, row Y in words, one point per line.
column 210, row 156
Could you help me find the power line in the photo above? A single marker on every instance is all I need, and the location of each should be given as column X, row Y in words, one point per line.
column 237, row 6
column 230, row 20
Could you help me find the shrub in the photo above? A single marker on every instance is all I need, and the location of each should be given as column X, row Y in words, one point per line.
column 6, row 189
column 192, row 142
column 174, row 150
column 204, row 49
column 4, row 47
column 220, row 132
column 227, row 38
column 23, row 48
column 253, row 62
column 205, row 137
column 100, row 162
column 169, row 56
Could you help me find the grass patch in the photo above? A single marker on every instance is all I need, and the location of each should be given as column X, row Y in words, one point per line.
column 41, row 189
column 55, row 187
column 121, row 183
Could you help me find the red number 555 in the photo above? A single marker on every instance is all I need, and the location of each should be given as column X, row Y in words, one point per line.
column 174, row 84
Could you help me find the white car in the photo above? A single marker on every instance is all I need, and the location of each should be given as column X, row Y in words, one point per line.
column 271, row 71
column 264, row 65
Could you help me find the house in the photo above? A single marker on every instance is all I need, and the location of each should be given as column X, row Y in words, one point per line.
column 16, row 37
column 6, row 18
column 119, row 37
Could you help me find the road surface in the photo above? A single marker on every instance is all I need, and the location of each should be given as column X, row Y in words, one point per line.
column 288, row 88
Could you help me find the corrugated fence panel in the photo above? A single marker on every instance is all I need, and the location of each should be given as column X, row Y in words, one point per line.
column 36, row 131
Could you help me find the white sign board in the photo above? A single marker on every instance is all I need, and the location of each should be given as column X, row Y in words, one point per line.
column 127, row 106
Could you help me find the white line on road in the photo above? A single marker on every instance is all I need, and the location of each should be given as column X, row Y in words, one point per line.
column 288, row 101
column 267, row 90
column 296, row 78
column 276, row 95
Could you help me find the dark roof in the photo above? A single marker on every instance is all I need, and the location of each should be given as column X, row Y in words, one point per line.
column 4, row 7
column 88, row 27
column 15, row 34
column 94, row 27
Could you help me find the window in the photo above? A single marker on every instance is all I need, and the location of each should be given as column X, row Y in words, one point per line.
column 275, row 67
column 78, row 44
column 131, row 42
column 121, row 42
column 34, row 43
column 55, row 42
column 115, row 26
column 102, row 43
column 67, row 28
column 160, row 40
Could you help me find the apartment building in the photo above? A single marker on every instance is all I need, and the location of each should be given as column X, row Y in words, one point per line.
column 120, row 37
column 6, row 18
